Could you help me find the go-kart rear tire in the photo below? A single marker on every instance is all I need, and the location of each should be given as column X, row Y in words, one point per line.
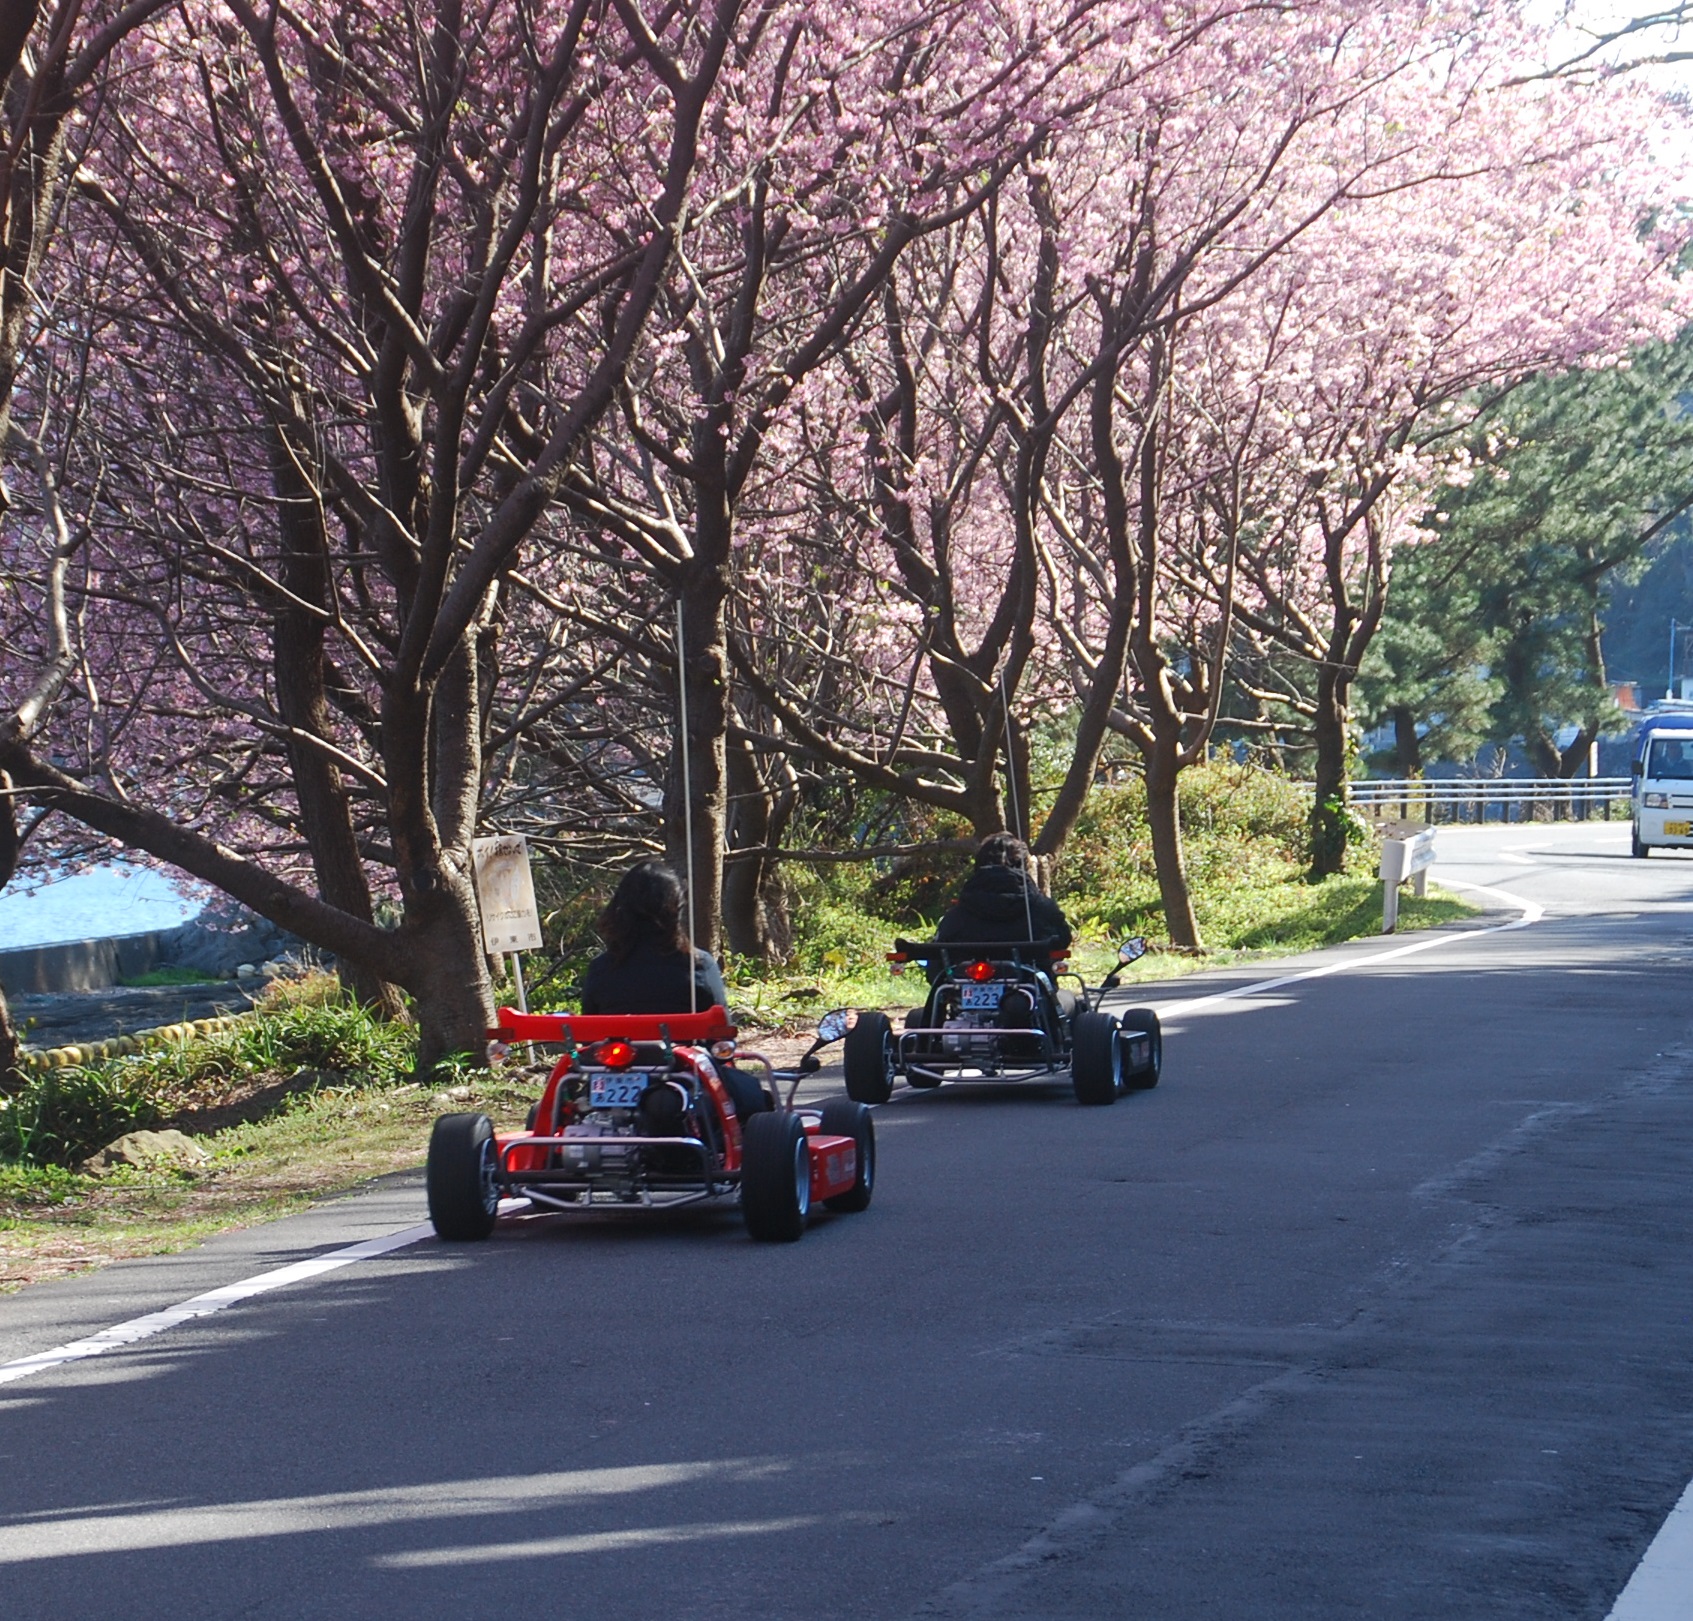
column 919, row 1016
column 844, row 1118
column 1096, row 1061
column 868, row 1059
column 775, row 1177
column 1146, row 1077
column 464, row 1198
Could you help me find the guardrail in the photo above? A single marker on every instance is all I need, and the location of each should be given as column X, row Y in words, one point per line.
column 1491, row 799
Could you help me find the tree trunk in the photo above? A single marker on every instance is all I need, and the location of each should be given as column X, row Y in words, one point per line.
column 1330, row 819
column 430, row 749
column 1407, row 746
column 1164, row 817
column 11, row 1076
column 755, row 910
column 303, row 704
column 705, row 655
column 447, row 973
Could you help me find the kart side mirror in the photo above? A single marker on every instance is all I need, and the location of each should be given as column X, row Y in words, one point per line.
column 1131, row 950
column 833, row 1025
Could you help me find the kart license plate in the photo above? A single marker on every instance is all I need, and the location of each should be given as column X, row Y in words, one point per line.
column 981, row 996
column 1677, row 830
column 615, row 1088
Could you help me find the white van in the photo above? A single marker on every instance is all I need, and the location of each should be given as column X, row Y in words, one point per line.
column 1663, row 784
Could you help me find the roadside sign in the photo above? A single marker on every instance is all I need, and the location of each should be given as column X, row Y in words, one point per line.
column 511, row 921
column 1401, row 859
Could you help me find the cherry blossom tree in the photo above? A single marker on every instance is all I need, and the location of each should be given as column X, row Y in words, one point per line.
column 53, row 64
column 402, row 269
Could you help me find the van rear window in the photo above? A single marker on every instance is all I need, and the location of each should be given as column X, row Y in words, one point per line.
column 1671, row 757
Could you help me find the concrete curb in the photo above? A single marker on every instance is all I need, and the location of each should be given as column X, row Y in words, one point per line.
column 95, row 1052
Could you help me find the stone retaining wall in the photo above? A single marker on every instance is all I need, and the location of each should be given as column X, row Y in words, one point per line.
column 79, row 965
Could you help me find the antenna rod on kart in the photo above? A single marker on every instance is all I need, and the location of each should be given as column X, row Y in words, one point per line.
column 1011, row 789
column 687, row 801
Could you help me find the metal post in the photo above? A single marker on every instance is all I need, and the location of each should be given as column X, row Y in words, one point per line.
column 517, row 978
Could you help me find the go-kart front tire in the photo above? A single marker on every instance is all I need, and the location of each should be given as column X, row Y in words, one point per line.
column 1096, row 1061
column 775, row 1177
column 868, row 1059
column 844, row 1118
column 464, row 1198
column 1145, row 1020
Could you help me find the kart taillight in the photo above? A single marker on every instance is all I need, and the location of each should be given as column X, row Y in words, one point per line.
column 979, row 971
column 898, row 956
column 616, row 1054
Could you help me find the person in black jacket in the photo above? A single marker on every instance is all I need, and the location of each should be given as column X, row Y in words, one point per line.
column 999, row 901
column 650, row 966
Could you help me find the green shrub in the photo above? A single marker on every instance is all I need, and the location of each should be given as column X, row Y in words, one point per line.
column 64, row 1115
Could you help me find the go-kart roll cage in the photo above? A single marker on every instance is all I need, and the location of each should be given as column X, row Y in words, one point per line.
column 574, row 1031
column 1032, row 957
column 577, row 1030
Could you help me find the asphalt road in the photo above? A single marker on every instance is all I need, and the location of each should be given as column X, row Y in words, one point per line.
column 1380, row 1306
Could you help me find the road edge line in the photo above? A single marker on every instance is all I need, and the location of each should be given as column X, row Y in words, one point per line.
column 1532, row 912
column 208, row 1304
column 1657, row 1591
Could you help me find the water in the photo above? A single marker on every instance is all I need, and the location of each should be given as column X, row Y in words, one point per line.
column 98, row 904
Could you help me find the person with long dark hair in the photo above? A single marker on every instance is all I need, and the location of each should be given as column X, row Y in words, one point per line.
column 649, row 965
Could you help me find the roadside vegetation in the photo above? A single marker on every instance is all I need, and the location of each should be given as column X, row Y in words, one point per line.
column 1247, row 847
column 313, row 1094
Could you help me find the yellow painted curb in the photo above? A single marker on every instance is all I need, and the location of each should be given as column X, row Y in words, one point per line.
column 95, row 1052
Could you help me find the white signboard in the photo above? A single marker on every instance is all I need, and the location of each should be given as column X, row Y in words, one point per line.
column 511, row 921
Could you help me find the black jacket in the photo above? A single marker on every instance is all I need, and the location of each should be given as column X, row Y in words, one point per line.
column 999, row 904
column 652, row 979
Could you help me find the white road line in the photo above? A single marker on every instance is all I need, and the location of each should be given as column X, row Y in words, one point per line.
column 1661, row 1588
column 1532, row 912
column 215, row 1300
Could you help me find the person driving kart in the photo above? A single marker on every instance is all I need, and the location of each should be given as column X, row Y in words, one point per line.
column 650, row 966
column 1000, row 903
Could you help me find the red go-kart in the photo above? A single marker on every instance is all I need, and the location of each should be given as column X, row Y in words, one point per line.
column 636, row 1116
